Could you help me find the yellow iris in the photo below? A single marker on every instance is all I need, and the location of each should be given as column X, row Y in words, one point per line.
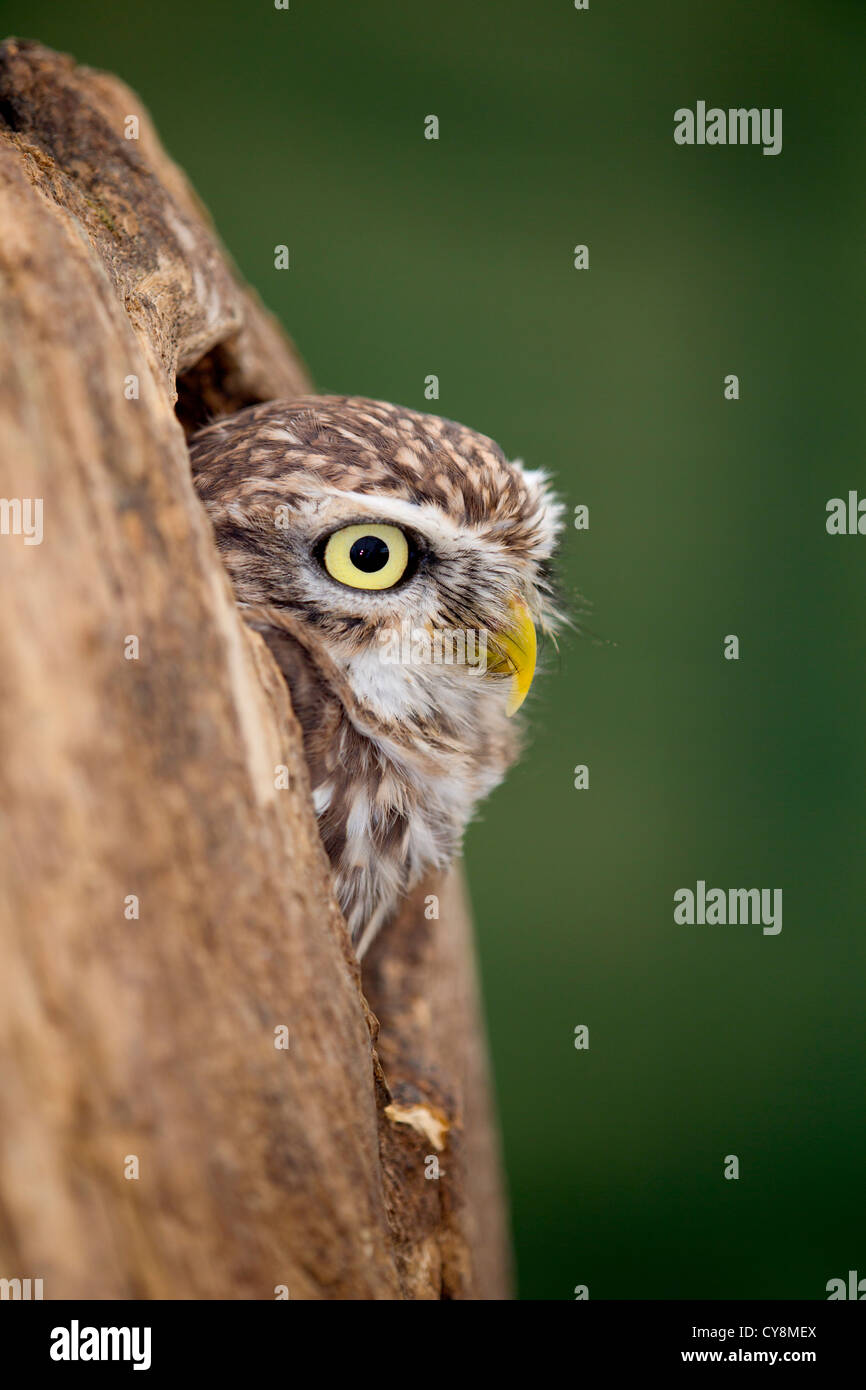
column 369, row 556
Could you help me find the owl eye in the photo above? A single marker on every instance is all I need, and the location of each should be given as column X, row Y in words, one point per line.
column 368, row 556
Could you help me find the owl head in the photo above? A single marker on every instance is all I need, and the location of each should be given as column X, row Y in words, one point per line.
column 405, row 548
column 398, row 567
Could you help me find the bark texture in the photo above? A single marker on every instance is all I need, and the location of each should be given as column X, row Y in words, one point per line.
column 146, row 784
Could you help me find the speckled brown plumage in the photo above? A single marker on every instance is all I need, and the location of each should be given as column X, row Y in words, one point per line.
column 399, row 754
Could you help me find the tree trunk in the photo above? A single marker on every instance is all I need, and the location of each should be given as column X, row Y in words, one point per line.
column 165, row 911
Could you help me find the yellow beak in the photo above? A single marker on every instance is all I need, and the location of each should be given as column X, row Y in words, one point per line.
column 514, row 653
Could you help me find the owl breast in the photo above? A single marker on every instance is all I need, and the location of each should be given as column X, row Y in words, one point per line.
column 390, row 806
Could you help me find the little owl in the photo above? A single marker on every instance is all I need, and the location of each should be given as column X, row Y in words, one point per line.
column 397, row 565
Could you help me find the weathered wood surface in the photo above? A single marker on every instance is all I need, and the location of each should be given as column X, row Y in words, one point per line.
column 155, row 777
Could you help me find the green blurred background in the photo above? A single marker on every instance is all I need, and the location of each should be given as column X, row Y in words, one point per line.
column 454, row 257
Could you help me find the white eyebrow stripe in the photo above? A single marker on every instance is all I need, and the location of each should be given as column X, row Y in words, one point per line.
column 416, row 514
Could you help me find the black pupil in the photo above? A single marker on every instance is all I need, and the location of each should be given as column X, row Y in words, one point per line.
column 369, row 554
